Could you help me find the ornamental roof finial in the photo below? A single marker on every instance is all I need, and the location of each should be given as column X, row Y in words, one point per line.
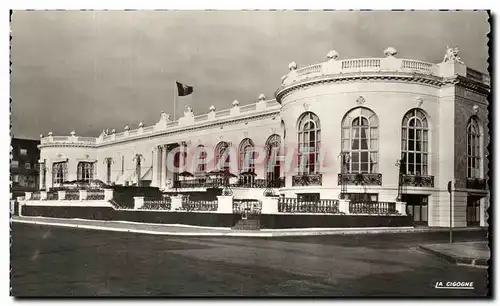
column 390, row 52
column 332, row 55
column 292, row 66
column 127, row 128
column 236, row 103
column 212, row 108
column 73, row 133
column 262, row 97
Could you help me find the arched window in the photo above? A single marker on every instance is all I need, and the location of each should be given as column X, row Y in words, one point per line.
column 473, row 149
column 360, row 140
column 414, row 142
column 201, row 154
column 59, row 171
column 247, row 156
column 222, row 157
column 85, row 171
column 273, row 145
column 309, row 140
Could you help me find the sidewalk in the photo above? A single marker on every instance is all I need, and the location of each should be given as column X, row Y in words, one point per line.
column 463, row 253
column 190, row 230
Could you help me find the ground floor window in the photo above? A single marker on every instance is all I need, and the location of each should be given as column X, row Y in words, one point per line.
column 417, row 206
column 85, row 171
column 308, row 197
column 59, row 172
column 362, row 197
column 473, row 210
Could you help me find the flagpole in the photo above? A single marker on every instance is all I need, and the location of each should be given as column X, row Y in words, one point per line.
column 175, row 100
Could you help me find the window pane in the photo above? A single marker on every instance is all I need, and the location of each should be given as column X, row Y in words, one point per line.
column 411, row 158
column 355, row 167
column 411, row 134
column 411, row 145
column 373, row 144
column 403, row 145
column 355, row 156
column 345, row 145
column 364, row 167
column 373, row 157
column 364, row 144
column 364, row 157
column 418, row 158
column 425, row 135
column 404, row 133
column 373, row 133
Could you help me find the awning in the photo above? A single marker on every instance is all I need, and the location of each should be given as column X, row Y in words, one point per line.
column 148, row 176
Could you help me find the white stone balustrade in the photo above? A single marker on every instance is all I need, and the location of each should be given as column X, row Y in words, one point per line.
column 225, row 204
column 138, row 202
column 27, row 196
column 176, row 202
column 61, row 195
column 269, row 205
column 388, row 64
column 401, row 208
column 43, row 195
column 344, row 206
column 108, row 194
column 83, row 195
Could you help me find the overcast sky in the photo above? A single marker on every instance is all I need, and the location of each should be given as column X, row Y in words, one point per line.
column 86, row 71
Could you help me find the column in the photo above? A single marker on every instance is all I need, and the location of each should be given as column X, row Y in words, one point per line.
column 163, row 180
column 154, row 167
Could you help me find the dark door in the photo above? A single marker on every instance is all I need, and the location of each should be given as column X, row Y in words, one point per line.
column 417, row 206
column 473, row 210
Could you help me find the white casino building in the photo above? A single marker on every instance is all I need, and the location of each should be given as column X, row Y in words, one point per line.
column 375, row 129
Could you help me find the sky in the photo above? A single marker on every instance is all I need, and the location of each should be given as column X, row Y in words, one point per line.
column 87, row 71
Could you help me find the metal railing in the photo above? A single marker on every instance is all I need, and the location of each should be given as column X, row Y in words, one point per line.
column 293, row 205
column 199, row 205
column 95, row 194
column 35, row 196
column 72, row 195
column 372, row 208
column 247, row 206
column 157, row 204
column 52, row 196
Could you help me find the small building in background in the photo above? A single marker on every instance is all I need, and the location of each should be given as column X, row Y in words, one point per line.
column 24, row 166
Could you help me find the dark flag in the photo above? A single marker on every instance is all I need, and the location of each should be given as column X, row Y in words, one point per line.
column 184, row 90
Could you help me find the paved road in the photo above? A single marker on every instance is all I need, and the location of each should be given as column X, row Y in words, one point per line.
column 53, row 261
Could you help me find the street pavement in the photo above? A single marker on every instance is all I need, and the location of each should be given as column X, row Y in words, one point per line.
column 57, row 261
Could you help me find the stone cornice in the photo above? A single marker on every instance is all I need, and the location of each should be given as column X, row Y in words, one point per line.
column 66, row 145
column 189, row 128
column 469, row 84
column 426, row 79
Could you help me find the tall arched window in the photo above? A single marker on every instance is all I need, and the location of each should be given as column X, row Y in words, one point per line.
column 247, row 156
column 473, row 149
column 59, row 171
column 201, row 155
column 273, row 145
column 222, row 157
column 360, row 140
column 414, row 142
column 309, row 140
column 85, row 171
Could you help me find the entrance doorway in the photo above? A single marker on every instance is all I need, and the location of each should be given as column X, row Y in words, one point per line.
column 473, row 210
column 417, row 206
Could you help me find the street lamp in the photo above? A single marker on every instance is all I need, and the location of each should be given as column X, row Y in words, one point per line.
column 344, row 161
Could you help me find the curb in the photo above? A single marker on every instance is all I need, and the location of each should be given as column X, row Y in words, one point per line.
column 477, row 262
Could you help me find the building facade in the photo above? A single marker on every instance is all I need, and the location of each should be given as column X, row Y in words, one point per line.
column 375, row 129
column 24, row 166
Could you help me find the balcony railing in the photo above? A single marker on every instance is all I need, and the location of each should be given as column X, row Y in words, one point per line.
column 417, row 180
column 293, row 205
column 157, row 204
column 372, row 208
column 219, row 182
column 95, row 194
column 307, row 180
column 360, row 179
column 35, row 196
column 476, row 183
